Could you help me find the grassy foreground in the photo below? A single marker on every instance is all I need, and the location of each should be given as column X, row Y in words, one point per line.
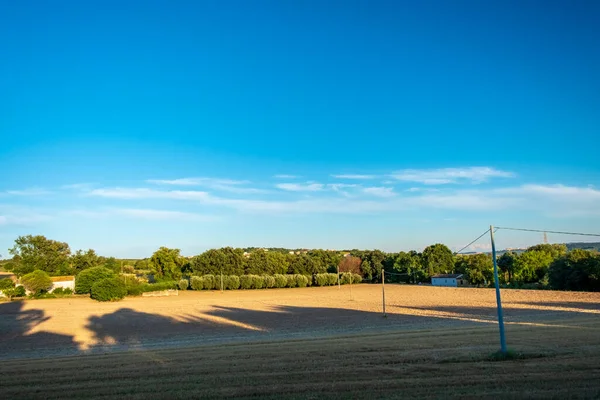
column 434, row 363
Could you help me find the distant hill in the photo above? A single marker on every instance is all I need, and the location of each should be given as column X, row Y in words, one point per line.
column 584, row 245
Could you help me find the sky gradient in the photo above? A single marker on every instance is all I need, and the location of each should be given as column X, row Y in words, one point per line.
column 127, row 126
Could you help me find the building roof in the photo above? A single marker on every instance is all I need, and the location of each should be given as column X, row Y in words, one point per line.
column 62, row 278
column 451, row 276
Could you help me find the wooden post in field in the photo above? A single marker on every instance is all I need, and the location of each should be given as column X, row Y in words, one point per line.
column 383, row 290
column 339, row 283
column 221, row 279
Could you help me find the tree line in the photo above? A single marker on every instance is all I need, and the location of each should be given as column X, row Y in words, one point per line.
column 543, row 265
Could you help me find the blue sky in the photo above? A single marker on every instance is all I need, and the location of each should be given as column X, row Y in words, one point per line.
column 332, row 124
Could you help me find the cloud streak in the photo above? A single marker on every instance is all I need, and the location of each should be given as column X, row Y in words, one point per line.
column 354, row 176
column 443, row 176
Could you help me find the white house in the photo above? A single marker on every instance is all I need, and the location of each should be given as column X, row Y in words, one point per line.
column 448, row 280
column 63, row 282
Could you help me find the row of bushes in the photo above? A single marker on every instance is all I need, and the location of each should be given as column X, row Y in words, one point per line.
column 233, row 282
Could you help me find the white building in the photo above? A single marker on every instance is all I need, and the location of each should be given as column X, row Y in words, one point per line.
column 63, row 282
column 453, row 280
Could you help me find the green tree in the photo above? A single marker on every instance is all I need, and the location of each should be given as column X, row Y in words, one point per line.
column 81, row 260
column 37, row 281
column 38, row 253
column 532, row 265
column 86, row 278
column 554, row 250
column 108, row 289
column 479, row 268
column 304, row 264
column 577, row 270
column 437, row 259
column 112, row 264
column 409, row 263
column 167, row 263
column 506, row 263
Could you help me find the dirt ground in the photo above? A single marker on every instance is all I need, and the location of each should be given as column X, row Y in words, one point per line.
column 303, row 344
column 53, row 327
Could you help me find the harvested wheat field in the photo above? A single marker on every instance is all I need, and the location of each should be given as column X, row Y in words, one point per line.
column 303, row 343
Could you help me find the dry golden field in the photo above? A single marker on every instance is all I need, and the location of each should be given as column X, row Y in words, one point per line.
column 303, row 343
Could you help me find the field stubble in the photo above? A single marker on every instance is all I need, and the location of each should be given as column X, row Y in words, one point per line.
column 303, row 343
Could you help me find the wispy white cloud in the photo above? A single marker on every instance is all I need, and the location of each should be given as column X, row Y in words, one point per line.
column 380, row 191
column 142, row 213
column 286, row 176
column 549, row 200
column 145, row 193
column 443, row 176
column 28, row 192
column 77, row 186
column 354, row 176
column 299, row 187
column 196, row 181
column 421, row 189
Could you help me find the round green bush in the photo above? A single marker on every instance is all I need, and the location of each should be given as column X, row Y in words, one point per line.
column 258, row 282
column 6, row 283
column 291, row 281
column 269, row 281
column 210, row 282
column 232, row 282
column 321, row 279
column 58, row 290
column 183, row 284
column 301, row 280
column 37, row 281
column 88, row 277
column 197, row 283
column 356, row 278
column 332, row 279
column 109, row 289
column 246, row 281
column 280, row 281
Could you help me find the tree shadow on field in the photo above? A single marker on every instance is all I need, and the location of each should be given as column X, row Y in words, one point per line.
column 126, row 329
column 16, row 339
column 583, row 306
column 511, row 313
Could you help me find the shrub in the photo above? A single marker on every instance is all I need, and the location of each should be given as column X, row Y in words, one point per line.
column 258, row 282
column 346, row 278
column 357, row 278
column 231, row 282
column 246, row 281
column 128, row 269
column 321, row 279
column 37, row 281
column 165, row 285
column 309, row 280
column 183, row 284
column 108, row 289
column 86, row 278
column 197, row 283
column 58, row 290
column 291, row 281
column 301, row 280
column 18, row 291
column 210, row 282
column 332, row 279
column 67, row 291
column 269, row 281
column 280, row 280
column 6, row 283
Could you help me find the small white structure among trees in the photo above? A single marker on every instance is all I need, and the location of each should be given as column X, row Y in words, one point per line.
column 452, row 280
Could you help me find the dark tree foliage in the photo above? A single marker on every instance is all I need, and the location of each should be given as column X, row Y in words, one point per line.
column 38, row 253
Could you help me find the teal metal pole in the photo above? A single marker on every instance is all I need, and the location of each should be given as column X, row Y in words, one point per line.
column 498, row 300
